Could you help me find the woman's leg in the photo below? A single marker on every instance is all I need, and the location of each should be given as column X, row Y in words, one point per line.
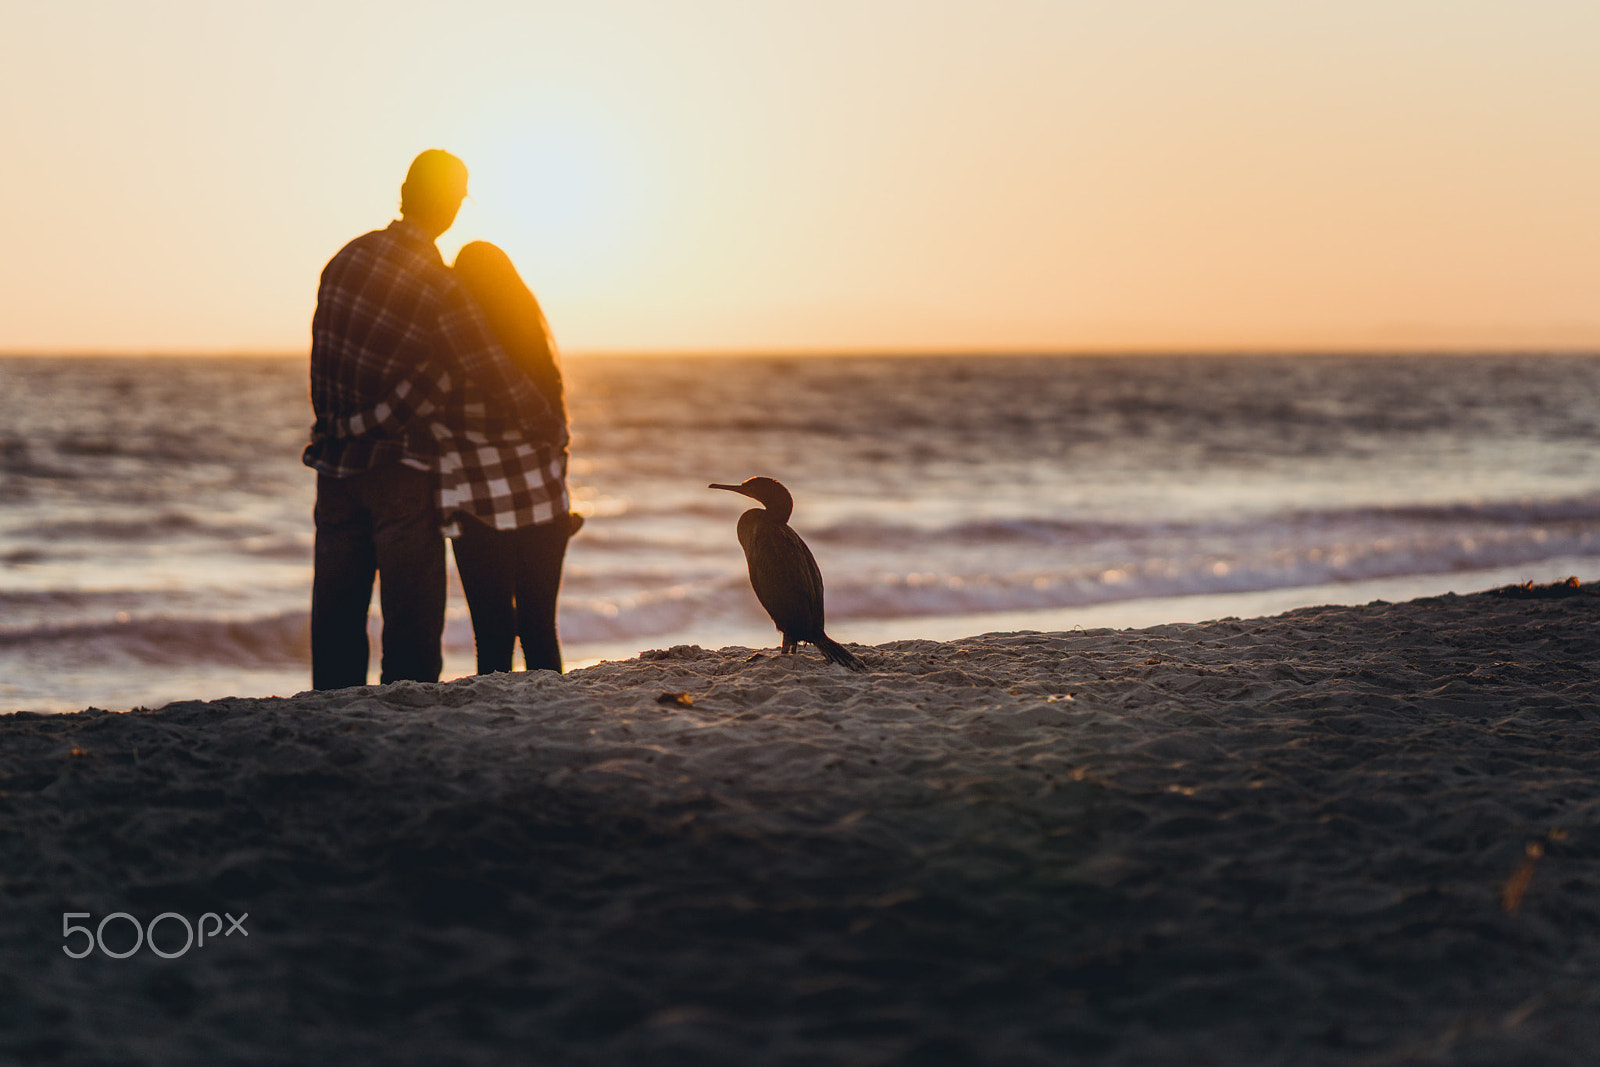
column 486, row 561
column 540, row 551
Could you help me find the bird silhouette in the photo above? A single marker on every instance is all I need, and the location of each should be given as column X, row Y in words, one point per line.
column 783, row 572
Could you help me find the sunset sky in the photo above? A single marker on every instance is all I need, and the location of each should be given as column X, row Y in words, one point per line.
column 875, row 174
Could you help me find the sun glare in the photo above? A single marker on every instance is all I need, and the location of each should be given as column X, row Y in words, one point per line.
column 563, row 193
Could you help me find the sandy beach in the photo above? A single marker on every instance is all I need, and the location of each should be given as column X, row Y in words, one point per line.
column 1364, row 835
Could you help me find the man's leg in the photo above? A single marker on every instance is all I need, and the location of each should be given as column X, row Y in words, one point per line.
column 341, row 584
column 410, row 555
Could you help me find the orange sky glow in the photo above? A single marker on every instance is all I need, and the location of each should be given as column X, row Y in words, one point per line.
column 867, row 175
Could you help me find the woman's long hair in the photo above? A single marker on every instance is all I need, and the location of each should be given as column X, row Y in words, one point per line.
column 515, row 316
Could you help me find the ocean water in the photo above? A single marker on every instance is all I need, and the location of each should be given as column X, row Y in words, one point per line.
column 155, row 520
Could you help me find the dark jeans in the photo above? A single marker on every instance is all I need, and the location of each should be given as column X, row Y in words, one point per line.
column 511, row 579
column 381, row 522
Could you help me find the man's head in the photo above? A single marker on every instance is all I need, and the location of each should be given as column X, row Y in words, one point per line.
column 433, row 190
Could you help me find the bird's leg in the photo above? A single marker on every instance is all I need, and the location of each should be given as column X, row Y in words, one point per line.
column 790, row 645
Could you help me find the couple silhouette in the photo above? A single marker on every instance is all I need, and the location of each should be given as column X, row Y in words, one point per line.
column 439, row 414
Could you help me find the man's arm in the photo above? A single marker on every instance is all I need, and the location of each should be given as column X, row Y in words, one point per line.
column 406, row 409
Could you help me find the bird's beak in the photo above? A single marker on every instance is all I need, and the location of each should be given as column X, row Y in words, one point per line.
column 729, row 488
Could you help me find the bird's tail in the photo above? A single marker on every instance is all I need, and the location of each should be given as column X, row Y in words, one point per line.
column 834, row 652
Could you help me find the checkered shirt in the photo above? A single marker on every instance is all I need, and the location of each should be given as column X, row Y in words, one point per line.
column 506, row 477
column 503, row 484
column 404, row 366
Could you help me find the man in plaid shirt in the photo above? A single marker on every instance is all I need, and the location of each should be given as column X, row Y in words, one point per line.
column 394, row 342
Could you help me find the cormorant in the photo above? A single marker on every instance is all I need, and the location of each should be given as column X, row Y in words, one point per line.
column 783, row 572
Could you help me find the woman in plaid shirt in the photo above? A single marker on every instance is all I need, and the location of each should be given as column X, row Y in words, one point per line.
column 504, row 496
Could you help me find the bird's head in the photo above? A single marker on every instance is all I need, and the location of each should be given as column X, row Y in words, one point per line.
column 769, row 491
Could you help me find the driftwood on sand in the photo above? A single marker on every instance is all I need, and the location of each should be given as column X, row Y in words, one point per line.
column 1341, row 835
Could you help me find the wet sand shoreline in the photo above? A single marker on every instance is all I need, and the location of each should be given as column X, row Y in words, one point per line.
column 1285, row 840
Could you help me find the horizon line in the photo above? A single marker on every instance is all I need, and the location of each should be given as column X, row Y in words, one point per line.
column 865, row 351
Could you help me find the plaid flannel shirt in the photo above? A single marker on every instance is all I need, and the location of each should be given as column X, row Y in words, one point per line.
column 504, row 484
column 403, row 366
